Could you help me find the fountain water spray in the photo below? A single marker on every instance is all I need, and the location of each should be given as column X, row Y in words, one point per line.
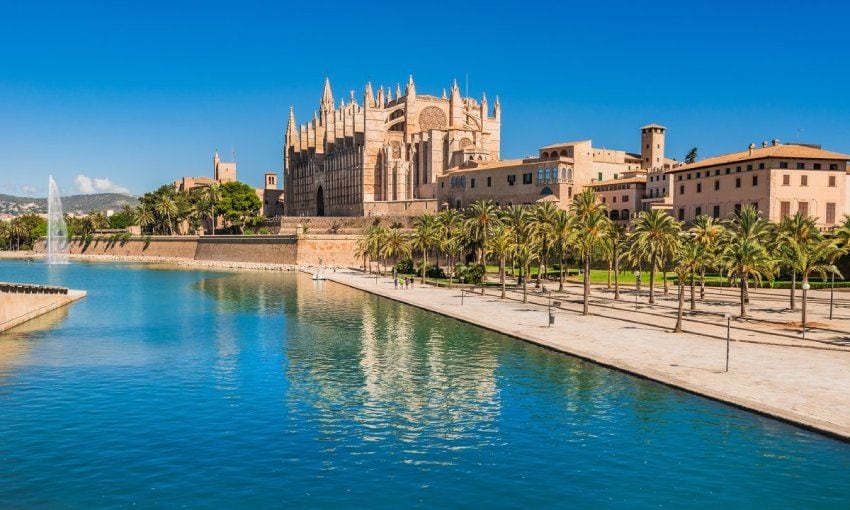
column 57, row 229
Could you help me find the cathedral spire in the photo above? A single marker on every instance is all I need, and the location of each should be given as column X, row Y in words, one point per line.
column 389, row 95
column 397, row 90
column 410, row 90
column 327, row 96
column 381, row 98
column 291, row 133
column 369, row 96
column 444, row 93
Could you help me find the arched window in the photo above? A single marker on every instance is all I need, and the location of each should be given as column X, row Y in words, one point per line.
column 555, row 174
column 624, row 214
column 539, row 174
column 546, row 191
column 569, row 174
column 564, row 152
column 544, row 155
column 547, row 175
column 615, row 214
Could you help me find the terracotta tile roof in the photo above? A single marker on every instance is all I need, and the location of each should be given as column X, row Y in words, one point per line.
column 489, row 165
column 653, row 126
column 788, row 150
column 629, row 180
column 563, row 144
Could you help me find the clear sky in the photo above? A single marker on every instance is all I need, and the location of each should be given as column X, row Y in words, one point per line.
column 130, row 95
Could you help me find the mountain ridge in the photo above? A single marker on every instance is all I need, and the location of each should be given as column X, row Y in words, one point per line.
column 71, row 204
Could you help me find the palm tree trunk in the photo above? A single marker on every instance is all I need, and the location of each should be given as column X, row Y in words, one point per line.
column 561, row 276
column 586, row 284
column 744, row 279
column 702, row 284
column 794, row 289
column 693, row 291
column 664, row 277
column 652, row 279
column 424, row 264
column 609, row 274
column 525, row 284
column 502, row 274
column 680, row 311
column 616, row 277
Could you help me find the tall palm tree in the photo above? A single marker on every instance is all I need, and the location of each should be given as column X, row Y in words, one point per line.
column 483, row 214
column 616, row 244
column 686, row 266
column 525, row 254
column 145, row 216
column 655, row 236
column 501, row 245
column 841, row 237
column 396, row 245
column 792, row 236
column 450, row 225
column 211, row 196
column 745, row 254
column 543, row 216
column 809, row 258
column 18, row 230
column 166, row 206
column 592, row 229
column 708, row 234
column 425, row 237
column 561, row 232
column 518, row 221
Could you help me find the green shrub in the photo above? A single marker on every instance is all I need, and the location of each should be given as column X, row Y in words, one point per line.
column 264, row 231
column 404, row 266
column 472, row 273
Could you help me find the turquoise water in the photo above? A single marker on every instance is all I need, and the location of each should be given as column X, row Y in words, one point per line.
column 171, row 388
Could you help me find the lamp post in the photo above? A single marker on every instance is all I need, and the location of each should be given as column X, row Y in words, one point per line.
column 728, row 337
column 832, row 269
column 462, row 281
column 637, row 288
column 806, row 288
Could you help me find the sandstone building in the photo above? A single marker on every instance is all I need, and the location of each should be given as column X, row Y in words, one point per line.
column 383, row 156
column 223, row 171
column 556, row 174
column 780, row 179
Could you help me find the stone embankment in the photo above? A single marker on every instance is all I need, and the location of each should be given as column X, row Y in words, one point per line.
column 21, row 302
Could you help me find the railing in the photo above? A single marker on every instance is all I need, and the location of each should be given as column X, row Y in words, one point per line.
column 26, row 288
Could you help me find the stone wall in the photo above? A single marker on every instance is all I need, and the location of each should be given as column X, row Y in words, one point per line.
column 155, row 246
column 21, row 302
column 261, row 249
column 330, row 250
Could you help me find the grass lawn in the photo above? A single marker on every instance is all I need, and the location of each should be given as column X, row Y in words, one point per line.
column 596, row 275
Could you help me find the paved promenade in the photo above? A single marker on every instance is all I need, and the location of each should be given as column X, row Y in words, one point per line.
column 768, row 374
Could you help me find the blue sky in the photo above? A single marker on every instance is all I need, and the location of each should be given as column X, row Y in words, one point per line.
column 137, row 94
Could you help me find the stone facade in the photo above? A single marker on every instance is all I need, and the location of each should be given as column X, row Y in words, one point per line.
column 352, row 158
column 555, row 174
column 223, row 171
column 780, row 179
column 623, row 197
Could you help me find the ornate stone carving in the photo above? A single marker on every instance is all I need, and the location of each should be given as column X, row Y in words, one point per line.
column 465, row 142
column 433, row 117
column 396, row 149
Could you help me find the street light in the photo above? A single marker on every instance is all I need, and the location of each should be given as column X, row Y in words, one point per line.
column 806, row 288
column 637, row 288
column 728, row 337
column 832, row 269
column 462, row 280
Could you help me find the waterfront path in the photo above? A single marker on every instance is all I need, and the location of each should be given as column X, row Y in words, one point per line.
column 767, row 374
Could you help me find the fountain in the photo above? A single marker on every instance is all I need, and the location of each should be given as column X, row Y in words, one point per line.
column 57, row 229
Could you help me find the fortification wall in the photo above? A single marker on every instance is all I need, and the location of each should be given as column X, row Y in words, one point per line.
column 328, row 250
column 155, row 246
column 261, row 249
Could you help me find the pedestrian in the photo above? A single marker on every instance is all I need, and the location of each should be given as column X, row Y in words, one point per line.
column 395, row 282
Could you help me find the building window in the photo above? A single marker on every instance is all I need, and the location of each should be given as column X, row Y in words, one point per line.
column 737, row 182
column 539, row 175
column 833, row 166
column 717, row 172
column 442, row 184
column 786, row 180
column 831, row 181
column 689, row 177
column 804, row 180
column 511, row 180
column 613, row 200
column 698, row 211
column 717, row 185
column 603, row 200
column 625, row 198
column 761, row 166
column 801, row 166
column 527, row 178
column 728, row 171
column 682, row 189
column 681, row 214
column 472, row 182
column 680, row 177
column 738, row 169
column 784, row 209
column 830, row 213
column 489, row 181
column 699, row 187
column 737, row 208
column 749, row 168
column 803, row 208
column 755, row 180
column 816, row 166
column 783, row 164
column 717, row 212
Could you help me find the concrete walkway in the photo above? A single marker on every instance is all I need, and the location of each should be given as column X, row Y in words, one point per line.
column 808, row 387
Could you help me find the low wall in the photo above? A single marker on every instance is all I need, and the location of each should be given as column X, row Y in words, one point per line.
column 308, row 249
column 261, row 249
column 22, row 302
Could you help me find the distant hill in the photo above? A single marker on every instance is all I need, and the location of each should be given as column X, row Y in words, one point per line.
column 74, row 204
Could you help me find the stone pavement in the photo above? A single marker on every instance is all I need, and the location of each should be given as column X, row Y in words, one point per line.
column 806, row 386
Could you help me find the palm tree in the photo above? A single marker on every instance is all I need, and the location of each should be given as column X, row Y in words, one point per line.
column 841, row 237
column 811, row 258
column 616, row 242
column 745, row 255
column 654, row 237
column 501, row 245
column 166, row 207
column 396, row 245
column 483, row 214
column 145, row 216
column 211, row 196
column 543, row 216
column 516, row 218
column 592, row 229
column 685, row 265
column 561, row 232
column 18, row 230
column 450, row 225
column 707, row 233
column 792, row 237
column 525, row 254
column 425, row 237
